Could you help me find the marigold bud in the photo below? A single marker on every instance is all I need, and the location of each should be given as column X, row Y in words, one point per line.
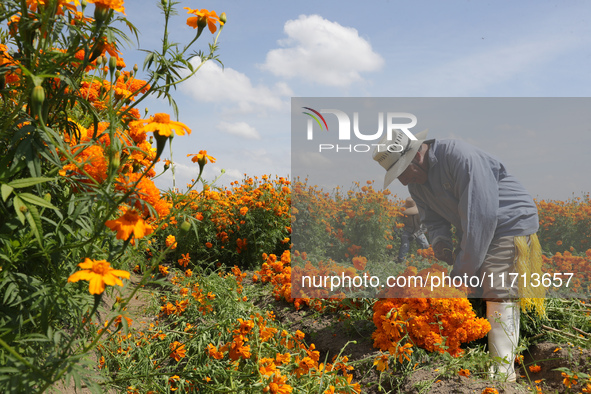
column 223, row 18
column 101, row 13
column 112, row 63
column 116, row 162
column 186, row 226
column 47, row 197
column 37, row 99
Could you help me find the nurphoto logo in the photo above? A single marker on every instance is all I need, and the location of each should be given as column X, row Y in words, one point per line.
column 389, row 122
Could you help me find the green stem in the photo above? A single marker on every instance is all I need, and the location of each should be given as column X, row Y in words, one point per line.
column 172, row 166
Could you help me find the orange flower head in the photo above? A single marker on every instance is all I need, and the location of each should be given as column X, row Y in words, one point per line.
column 116, row 5
column 33, row 5
column 99, row 273
column 203, row 16
column 160, row 124
column 381, row 363
column 464, row 372
column 359, row 262
column 130, row 222
column 201, row 158
column 178, row 350
column 490, row 390
column 171, row 242
column 212, row 351
column 535, row 368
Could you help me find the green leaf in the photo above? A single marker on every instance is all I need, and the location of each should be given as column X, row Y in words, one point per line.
column 10, row 294
column 34, row 220
column 8, row 370
column 6, row 190
column 19, row 207
column 33, row 199
column 22, row 183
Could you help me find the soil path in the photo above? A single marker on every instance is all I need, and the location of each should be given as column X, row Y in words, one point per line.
column 136, row 310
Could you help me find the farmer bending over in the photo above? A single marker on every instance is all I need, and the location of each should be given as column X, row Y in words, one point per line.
column 495, row 218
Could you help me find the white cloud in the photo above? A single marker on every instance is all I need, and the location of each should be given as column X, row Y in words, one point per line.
column 241, row 129
column 323, row 52
column 212, row 83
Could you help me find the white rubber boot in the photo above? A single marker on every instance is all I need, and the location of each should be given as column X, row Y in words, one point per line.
column 503, row 337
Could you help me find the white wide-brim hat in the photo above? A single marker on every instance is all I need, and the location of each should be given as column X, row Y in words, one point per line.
column 396, row 162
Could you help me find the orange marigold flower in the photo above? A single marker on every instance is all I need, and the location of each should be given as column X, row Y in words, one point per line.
column 212, row 351
column 99, row 273
column 464, row 372
column 267, row 366
column 144, row 192
column 208, row 244
column 118, row 321
column 171, row 242
column 558, row 243
column 535, row 368
column 381, row 363
column 173, row 382
column 209, row 16
column 116, row 5
column 130, row 222
column 403, row 352
column 359, row 262
column 299, row 335
column 569, row 380
column 202, row 157
column 162, row 125
column 186, row 259
column 490, row 390
column 282, row 358
column 243, row 210
column 163, row 269
column 33, row 5
column 178, row 350
column 278, row 385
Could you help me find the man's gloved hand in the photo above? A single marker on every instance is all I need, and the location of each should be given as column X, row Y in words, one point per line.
column 444, row 251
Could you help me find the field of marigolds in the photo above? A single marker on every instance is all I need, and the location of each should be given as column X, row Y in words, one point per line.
column 111, row 285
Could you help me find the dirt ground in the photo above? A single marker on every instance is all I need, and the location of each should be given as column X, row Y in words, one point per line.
column 330, row 336
column 333, row 337
column 136, row 310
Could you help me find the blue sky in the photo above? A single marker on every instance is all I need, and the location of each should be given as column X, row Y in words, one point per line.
column 273, row 51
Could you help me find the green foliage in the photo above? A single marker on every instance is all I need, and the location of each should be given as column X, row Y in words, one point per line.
column 342, row 225
column 232, row 226
column 66, row 157
column 565, row 225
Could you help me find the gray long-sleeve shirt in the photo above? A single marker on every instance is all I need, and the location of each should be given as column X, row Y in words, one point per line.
column 472, row 190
